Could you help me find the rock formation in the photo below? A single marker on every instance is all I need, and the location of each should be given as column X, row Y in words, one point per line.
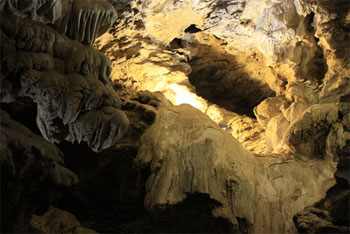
column 68, row 81
column 248, row 192
column 175, row 116
column 57, row 221
column 70, row 85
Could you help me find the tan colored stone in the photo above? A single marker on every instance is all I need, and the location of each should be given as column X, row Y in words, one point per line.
column 205, row 159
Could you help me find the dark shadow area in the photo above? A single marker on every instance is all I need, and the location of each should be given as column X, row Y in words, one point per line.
column 223, row 79
column 330, row 215
column 337, row 203
column 317, row 67
column 110, row 192
column 176, row 43
column 193, row 215
column 192, row 29
column 110, row 198
column 23, row 110
column 19, row 197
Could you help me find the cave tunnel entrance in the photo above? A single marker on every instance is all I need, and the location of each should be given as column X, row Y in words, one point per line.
column 234, row 82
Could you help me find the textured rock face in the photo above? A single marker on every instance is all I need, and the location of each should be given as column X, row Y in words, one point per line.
column 249, row 192
column 69, row 84
column 272, row 74
column 68, row 81
column 276, row 60
column 79, row 20
column 282, row 62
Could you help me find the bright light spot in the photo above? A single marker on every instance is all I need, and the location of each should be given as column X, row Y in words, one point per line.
column 182, row 95
column 223, row 128
column 215, row 113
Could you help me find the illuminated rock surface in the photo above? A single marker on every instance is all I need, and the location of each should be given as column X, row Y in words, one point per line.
column 205, row 159
column 185, row 116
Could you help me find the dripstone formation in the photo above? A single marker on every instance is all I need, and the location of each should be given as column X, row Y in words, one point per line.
column 69, row 82
column 182, row 116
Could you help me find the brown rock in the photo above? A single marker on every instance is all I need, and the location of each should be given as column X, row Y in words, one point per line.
column 57, row 221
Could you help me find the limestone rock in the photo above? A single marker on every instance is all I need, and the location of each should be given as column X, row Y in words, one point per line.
column 247, row 131
column 284, row 62
column 234, row 57
column 57, row 221
column 314, row 220
column 79, row 20
column 179, row 71
column 268, row 109
column 205, row 159
column 90, row 19
column 269, row 27
column 189, row 65
column 68, row 81
column 307, row 133
column 275, row 131
column 329, row 215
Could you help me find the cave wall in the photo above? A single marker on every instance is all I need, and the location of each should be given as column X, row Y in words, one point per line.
column 52, row 74
column 262, row 147
column 273, row 74
column 69, row 81
column 276, row 62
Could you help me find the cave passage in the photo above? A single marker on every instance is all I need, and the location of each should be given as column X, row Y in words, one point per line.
column 236, row 84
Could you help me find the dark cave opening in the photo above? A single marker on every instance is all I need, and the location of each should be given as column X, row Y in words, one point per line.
column 317, row 67
column 24, row 111
column 110, row 191
column 176, row 43
column 309, row 19
column 229, row 81
column 192, row 29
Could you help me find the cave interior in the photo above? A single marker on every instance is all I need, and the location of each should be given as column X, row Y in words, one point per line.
column 175, row 116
